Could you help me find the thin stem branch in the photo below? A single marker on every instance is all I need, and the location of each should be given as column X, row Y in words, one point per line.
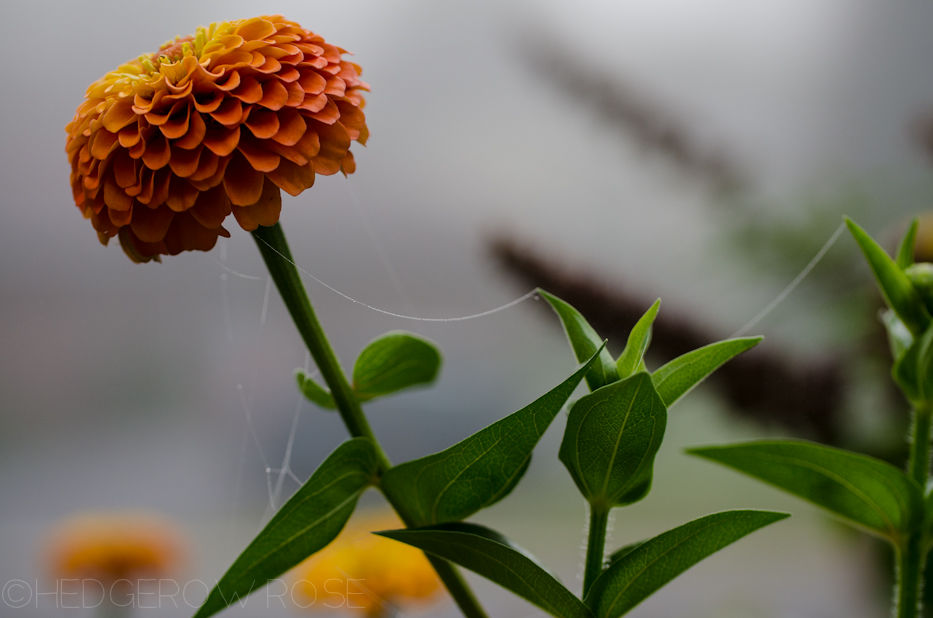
column 911, row 556
column 278, row 258
column 595, row 546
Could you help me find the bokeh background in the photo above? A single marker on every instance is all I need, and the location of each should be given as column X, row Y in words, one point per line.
column 697, row 151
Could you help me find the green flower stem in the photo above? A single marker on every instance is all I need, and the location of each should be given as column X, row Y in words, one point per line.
column 595, row 546
column 458, row 588
column 911, row 557
column 278, row 258
column 919, row 467
column 909, row 577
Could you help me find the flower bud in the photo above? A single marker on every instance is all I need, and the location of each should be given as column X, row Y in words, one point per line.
column 921, row 276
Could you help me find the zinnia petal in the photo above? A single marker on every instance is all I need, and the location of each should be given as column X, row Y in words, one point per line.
column 242, row 182
column 151, row 224
column 211, row 207
column 264, row 212
column 291, row 178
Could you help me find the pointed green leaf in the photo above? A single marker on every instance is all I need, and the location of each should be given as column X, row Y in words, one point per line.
column 865, row 491
column 611, row 439
column 313, row 391
column 905, row 251
column 899, row 337
column 305, row 524
column 480, row 470
column 491, row 555
column 643, row 570
column 681, row 375
column 896, row 288
column 392, row 362
column 634, row 352
column 585, row 342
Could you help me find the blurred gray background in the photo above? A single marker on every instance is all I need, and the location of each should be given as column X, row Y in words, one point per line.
column 160, row 387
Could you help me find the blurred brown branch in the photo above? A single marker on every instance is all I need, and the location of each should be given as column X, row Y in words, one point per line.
column 921, row 130
column 616, row 103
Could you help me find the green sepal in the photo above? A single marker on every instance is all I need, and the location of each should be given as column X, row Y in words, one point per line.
column 493, row 556
column 611, row 440
column 392, row 362
column 313, row 391
column 913, row 370
column 644, row 569
column 681, row 375
column 899, row 337
column 311, row 519
column 896, row 288
column 480, row 470
column 585, row 342
column 631, row 358
column 905, row 251
column 864, row 491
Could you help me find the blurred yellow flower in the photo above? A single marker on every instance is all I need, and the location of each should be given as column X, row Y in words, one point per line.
column 109, row 547
column 365, row 573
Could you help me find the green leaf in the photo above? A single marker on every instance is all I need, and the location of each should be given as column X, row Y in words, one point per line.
column 643, row 570
column 896, row 288
column 905, row 251
column 899, row 337
column 313, row 391
column 392, row 362
column 491, row 555
column 864, row 491
column 480, row 470
column 305, row 524
column 585, row 342
column 611, row 439
column 681, row 375
column 634, row 352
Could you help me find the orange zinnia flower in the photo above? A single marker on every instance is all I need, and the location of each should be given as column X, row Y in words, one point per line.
column 166, row 146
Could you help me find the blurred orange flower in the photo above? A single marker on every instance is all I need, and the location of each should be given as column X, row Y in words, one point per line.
column 362, row 572
column 110, row 547
column 166, row 146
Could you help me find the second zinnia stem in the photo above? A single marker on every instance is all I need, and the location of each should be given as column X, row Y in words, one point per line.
column 911, row 556
column 278, row 258
column 595, row 547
